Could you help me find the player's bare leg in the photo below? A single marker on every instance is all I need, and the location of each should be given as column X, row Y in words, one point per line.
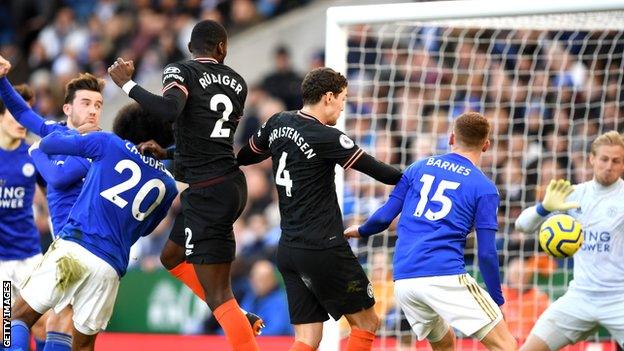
column 499, row 338
column 447, row 343
column 364, row 325
column 83, row 342
column 38, row 330
column 24, row 317
column 307, row 336
column 172, row 256
column 215, row 280
column 534, row 343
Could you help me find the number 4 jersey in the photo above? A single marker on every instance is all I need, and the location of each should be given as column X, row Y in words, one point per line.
column 305, row 153
column 125, row 194
column 444, row 198
column 204, row 132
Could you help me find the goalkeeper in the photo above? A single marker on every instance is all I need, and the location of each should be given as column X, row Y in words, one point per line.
column 596, row 295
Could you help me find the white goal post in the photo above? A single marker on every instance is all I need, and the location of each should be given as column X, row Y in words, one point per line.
column 463, row 20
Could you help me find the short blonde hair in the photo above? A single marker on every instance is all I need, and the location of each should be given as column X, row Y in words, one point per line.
column 611, row 138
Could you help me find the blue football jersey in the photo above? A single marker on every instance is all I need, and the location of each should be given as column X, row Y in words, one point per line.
column 19, row 238
column 445, row 198
column 124, row 197
column 63, row 174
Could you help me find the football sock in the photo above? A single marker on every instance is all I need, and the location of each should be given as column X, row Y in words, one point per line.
column 236, row 326
column 186, row 274
column 39, row 344
column 58, row 342
column 299, row 346
column 20, row 336
column 360, row 340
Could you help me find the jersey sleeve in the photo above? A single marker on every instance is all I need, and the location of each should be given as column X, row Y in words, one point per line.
column 60, row 174
column 91, row 145
column 23, row 114
column 335, row 146
column 486, row 216
column 175, row 75
column 259, row 141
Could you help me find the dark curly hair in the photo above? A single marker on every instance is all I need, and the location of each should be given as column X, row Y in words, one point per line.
column 134, row 124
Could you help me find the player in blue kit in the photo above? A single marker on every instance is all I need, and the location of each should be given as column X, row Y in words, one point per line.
column 63, row 174
column 441, row 200
column 20, row 248
column 125, row 196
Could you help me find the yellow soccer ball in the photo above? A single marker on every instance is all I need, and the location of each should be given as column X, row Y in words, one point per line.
column 561, row 236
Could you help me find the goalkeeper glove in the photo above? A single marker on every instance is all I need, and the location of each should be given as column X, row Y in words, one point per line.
column 556, row 193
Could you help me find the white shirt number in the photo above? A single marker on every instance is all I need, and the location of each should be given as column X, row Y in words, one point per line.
column 438, row 196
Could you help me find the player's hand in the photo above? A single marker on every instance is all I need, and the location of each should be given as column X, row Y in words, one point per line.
column 556, row 193
column 152, row 147
column 352, row 232
column 33, row 147
column 5, row 66
column 88, row 127
column 121, row 71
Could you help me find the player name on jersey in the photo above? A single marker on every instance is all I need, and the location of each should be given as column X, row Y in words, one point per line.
column 291, row 133
column 12, row 197
column 449, row 166
column 210, row 78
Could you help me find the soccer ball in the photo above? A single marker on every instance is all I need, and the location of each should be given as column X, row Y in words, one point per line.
column 561, row 236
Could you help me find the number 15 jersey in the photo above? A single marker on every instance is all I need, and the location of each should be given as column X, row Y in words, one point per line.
column 204, row 132
column 305, row 153
column 444, row 198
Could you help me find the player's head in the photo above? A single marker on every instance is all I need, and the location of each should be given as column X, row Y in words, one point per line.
column 8, row 125
column 83, row 100
column 470, row 132
column 607, row 157
column 325, row 90
column 134, row 124
column 209, row 39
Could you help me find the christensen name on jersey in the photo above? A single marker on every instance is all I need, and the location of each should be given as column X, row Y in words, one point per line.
column 291, row 133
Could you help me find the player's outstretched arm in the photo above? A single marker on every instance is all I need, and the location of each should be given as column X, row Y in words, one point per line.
column 247, row 156
column 378, row 170
column 167, row 107
column 554, row 200
column 152, row 147
column 90, row 145
column 60, row 174
column 23, row 114
column 383, row 217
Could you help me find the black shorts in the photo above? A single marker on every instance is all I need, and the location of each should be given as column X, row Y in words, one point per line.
column 177, row 231
column 209, row 215
column 322, row 282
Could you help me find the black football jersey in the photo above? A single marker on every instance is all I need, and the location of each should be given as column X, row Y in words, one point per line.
column 304, row 153
column 204, row 132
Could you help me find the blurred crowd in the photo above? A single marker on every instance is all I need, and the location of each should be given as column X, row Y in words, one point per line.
column 51, row 41
column 546, row 93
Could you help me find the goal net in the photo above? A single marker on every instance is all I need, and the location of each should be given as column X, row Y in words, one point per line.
column 548, row 75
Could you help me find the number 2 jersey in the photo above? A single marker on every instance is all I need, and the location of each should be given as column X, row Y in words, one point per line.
column 305, row 153
column 204, row 132
column 445, row 198
column 125, row 194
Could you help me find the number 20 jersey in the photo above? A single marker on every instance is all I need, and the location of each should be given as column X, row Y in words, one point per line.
column 125, row 196
column 204, row 132
column 305, row 153
column 446, row 198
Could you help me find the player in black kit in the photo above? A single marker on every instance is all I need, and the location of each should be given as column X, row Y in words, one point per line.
column 205, row 99
column 321, row 273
